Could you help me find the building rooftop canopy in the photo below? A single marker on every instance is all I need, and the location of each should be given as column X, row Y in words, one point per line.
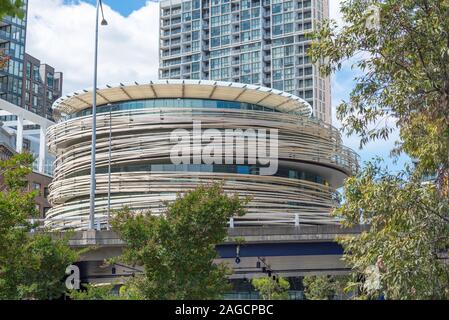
column 194, row 89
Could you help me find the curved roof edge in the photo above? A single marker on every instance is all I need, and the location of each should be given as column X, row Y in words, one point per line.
column 199, row 89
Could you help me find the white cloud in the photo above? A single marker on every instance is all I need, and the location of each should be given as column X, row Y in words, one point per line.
column 62, row 35
column 334, row 11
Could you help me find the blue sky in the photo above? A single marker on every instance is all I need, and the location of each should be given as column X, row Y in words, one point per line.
column 342, row 84
column 125, row 7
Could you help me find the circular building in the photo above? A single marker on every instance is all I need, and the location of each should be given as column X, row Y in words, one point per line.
column 146, row 123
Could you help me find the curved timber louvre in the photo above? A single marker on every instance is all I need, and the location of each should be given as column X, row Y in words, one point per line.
column 311, row 160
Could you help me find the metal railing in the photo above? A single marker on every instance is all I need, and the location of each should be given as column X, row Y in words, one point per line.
column 102, row 222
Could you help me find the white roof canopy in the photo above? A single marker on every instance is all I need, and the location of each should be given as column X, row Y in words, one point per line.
column 194, row 89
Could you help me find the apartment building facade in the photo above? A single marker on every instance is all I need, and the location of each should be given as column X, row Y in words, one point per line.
column 42, row 86
column 261, row 42
column 36, row 181
column 12, row 54
column 24, row 80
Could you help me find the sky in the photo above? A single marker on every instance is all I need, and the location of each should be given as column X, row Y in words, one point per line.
column 61, row 34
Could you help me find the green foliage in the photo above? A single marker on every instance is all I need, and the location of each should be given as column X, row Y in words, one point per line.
column 177, row 248
column 94, row 292
column 325, row 287
column 13, row 8
column 271, row 289
column 404, row 83
column 31, row 266
column 405, row 74
column 399, row 257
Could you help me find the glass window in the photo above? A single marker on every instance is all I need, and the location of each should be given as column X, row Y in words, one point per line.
column 215, row 42
column 276, row 8
column 36, row 76
column 50, row 80
column 28, row 70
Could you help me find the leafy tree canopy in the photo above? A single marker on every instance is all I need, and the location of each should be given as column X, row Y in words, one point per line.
column 272, row 289
column 400, row 257
column 177, row 248
column 325, row 287
column 402, row 49
column 13, row 8
column 32, row 265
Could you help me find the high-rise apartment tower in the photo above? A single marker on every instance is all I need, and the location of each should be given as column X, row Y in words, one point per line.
column 12, row 54
column 262, row 42
column 42, row 87
column 24, row 80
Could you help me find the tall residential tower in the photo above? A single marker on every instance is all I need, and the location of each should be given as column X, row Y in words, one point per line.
column 42, row 87
column 261, row 42
column 12, row 54
column 24, row 80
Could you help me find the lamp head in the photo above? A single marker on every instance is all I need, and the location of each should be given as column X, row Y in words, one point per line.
column 104, row 22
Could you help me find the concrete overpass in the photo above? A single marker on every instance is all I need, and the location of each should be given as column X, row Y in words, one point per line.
column 288, row 251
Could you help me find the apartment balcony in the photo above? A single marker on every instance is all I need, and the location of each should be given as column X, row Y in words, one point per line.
column 165, row 22
column 165, row 35
column 267, row 58
column 165, row 27
column 3, row 88
column 5, row 22
column 5, row 36
column 165, row 44
column 235, row 19
column 267, row 36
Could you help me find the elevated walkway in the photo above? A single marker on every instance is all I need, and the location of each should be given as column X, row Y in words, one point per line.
column 287, row 251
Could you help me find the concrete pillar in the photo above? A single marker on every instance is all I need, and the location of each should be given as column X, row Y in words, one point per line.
column 19, row 134
column 42, row 148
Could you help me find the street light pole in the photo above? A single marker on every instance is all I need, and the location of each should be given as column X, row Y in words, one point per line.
column 109, row 166
column 94, row 121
